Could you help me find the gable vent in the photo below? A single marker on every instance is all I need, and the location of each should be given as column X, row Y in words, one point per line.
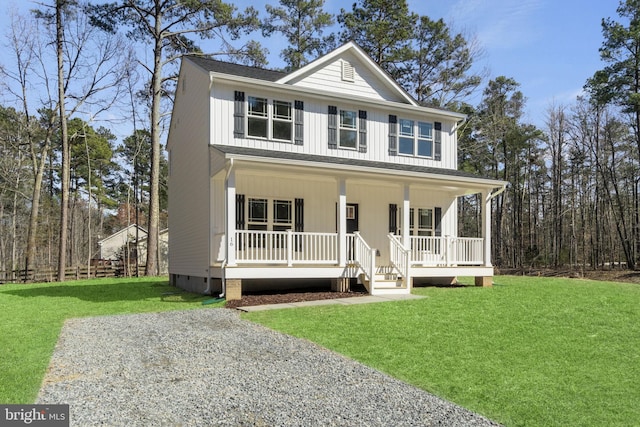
column 348, row 73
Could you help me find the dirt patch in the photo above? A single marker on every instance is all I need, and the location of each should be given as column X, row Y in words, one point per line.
column 294, row 295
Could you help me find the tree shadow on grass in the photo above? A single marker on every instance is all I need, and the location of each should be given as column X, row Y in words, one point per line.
column 108, row 292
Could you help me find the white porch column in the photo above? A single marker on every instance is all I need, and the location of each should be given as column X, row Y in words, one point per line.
column 342, row 222
column 406, row 206
column 230, row 202
column 486, row 227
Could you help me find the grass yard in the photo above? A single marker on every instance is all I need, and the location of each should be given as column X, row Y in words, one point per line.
column 31, row 317
column 529, row 351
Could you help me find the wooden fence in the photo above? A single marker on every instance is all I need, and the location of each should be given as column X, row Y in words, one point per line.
column 71, row 273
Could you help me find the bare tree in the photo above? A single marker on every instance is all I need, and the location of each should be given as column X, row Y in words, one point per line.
column 90, row 71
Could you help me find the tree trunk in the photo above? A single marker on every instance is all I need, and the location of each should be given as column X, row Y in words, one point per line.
column 154, row 193
column 66, row 161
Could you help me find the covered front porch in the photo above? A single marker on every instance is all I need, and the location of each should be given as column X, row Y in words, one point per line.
column 311, row 219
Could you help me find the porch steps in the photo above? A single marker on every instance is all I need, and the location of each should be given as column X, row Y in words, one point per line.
column 385, row 284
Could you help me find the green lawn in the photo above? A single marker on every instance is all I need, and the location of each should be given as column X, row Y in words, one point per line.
column 31, row 317
column 529, row 351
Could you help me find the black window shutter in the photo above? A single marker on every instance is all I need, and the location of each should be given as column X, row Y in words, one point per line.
column 238, row 114
column 393, row 135
column 240, row 212
column 437, row 217
column 299, row 123
column 299, row 220
column 333, row 126
column 362, row 131
column 393, row 218
column 437, row 141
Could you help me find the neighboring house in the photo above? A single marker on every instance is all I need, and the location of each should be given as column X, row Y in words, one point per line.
column 163, row 251
column 113, row 248
column 329, row 172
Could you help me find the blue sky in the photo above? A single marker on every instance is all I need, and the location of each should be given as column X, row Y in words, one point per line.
column 550, row 47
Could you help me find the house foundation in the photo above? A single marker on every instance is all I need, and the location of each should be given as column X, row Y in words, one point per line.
column 341, row 284
column 233, row 289
column 484, row 281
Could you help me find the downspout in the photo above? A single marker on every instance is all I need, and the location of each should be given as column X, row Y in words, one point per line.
column 207, row 291
column 223, row 279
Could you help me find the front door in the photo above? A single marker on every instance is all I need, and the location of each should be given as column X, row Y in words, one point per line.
column 352, row 225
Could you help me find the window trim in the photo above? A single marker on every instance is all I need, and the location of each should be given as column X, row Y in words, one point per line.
column 416, row 137
column 271, row 118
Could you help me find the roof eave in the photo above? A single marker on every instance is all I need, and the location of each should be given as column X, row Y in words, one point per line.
column 478, row 183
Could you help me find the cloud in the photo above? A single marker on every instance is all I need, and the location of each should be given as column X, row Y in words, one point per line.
column 499, row 24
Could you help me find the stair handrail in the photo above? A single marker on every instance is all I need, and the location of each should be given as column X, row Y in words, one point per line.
column 365, row 258
column 400, row 257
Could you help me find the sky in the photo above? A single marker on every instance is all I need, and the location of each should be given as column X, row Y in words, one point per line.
column 550, row 47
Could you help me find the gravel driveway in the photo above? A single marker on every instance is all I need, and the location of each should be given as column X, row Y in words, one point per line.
column 208, row 367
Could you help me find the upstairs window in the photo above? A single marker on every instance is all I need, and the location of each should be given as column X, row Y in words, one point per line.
column 415, row 138
column 406, row 137
column 282, row 123
column 269, row 120
column 348, row 129
column 258, row 118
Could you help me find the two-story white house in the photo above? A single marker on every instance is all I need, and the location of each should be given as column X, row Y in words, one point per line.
column 330, row 172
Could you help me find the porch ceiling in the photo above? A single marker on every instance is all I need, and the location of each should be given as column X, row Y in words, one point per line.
column 454, row 181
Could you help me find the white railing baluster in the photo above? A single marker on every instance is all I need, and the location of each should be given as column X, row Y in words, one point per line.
column 448, row 251
column 286, row 247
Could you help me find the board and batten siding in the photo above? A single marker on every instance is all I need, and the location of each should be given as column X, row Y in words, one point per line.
column 315, row 139
column 188, row 145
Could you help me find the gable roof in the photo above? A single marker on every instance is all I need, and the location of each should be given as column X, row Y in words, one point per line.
column 120, row 232
column 216, row 66
column 352, row 48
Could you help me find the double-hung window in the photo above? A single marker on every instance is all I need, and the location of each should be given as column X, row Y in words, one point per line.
column 425, row 139
column 269, row 119
column 415, row 138
column 348, row 129
column 282, row 215
column 282, row 121
column 258, row 117
column 258, row 214
column 406, row 137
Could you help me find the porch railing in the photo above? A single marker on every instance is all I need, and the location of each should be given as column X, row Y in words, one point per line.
column 286, row 247
column 446, row 251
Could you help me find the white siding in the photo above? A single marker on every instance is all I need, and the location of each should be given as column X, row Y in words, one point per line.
column 365, row 84
column 189, row 178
